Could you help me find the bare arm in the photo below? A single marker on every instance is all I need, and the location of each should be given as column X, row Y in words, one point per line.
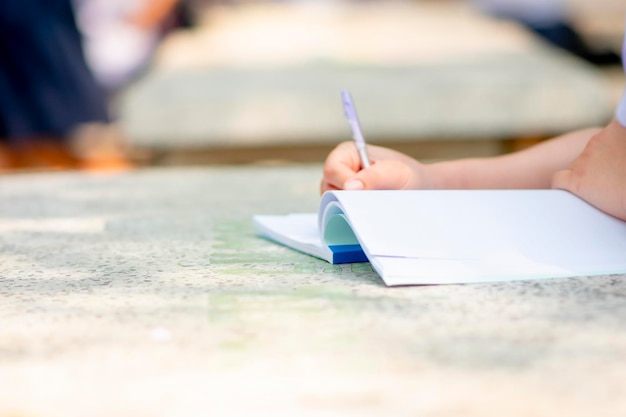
column 529, row 168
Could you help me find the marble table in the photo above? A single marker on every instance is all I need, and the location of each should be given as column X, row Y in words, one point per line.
column 148, row 293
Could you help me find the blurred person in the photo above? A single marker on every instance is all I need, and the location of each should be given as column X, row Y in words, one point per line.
column 548, row 19
column 120, row 37
column 590, row 163
column 47, row 91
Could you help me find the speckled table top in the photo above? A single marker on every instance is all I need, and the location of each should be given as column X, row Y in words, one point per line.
column 148, row 294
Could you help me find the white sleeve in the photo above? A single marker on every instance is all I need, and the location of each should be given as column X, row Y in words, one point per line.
column 620, row 114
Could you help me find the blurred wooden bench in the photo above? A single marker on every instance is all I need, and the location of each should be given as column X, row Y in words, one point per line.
column 262, row 82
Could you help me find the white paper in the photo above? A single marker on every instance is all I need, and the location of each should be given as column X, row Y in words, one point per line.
column 460, row 236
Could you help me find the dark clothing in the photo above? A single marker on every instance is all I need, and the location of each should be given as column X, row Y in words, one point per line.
column 46, row 88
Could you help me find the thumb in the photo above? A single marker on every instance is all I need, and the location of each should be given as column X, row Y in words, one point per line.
column 382, row 175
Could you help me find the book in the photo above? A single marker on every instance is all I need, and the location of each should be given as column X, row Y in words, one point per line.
column 417, row 237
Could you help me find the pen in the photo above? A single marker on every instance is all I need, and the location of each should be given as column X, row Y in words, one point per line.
column 353, row 120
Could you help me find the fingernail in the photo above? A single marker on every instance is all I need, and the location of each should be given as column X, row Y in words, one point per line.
column 354, row 185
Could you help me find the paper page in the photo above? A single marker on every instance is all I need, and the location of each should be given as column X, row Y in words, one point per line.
column 503, row 267
column 298, row 230
column 544, row 228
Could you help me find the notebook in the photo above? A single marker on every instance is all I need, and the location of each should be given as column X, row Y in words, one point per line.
column 456, row 236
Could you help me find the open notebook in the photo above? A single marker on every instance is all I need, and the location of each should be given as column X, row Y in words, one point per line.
column 457, row 236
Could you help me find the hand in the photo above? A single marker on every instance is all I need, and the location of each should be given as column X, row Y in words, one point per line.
column 151, row 14
column 389, row 170
column 598, row 175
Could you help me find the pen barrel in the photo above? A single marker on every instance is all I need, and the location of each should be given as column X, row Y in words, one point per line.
column 365, row 161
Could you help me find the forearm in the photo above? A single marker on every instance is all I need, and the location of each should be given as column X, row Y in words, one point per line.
column 529, row 168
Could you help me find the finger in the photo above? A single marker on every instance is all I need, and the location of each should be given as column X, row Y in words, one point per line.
column 383, row 175
column 324, row 186
column 342, row 163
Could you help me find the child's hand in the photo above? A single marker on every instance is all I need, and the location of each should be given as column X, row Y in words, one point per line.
column 598, row 175
column 390, row 170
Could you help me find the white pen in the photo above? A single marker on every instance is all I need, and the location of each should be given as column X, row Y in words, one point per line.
column 353, row 120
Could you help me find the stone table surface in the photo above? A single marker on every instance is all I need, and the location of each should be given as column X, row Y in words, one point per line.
column 147, row 293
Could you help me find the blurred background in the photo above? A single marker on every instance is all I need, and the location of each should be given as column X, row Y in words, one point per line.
column 194, row 82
